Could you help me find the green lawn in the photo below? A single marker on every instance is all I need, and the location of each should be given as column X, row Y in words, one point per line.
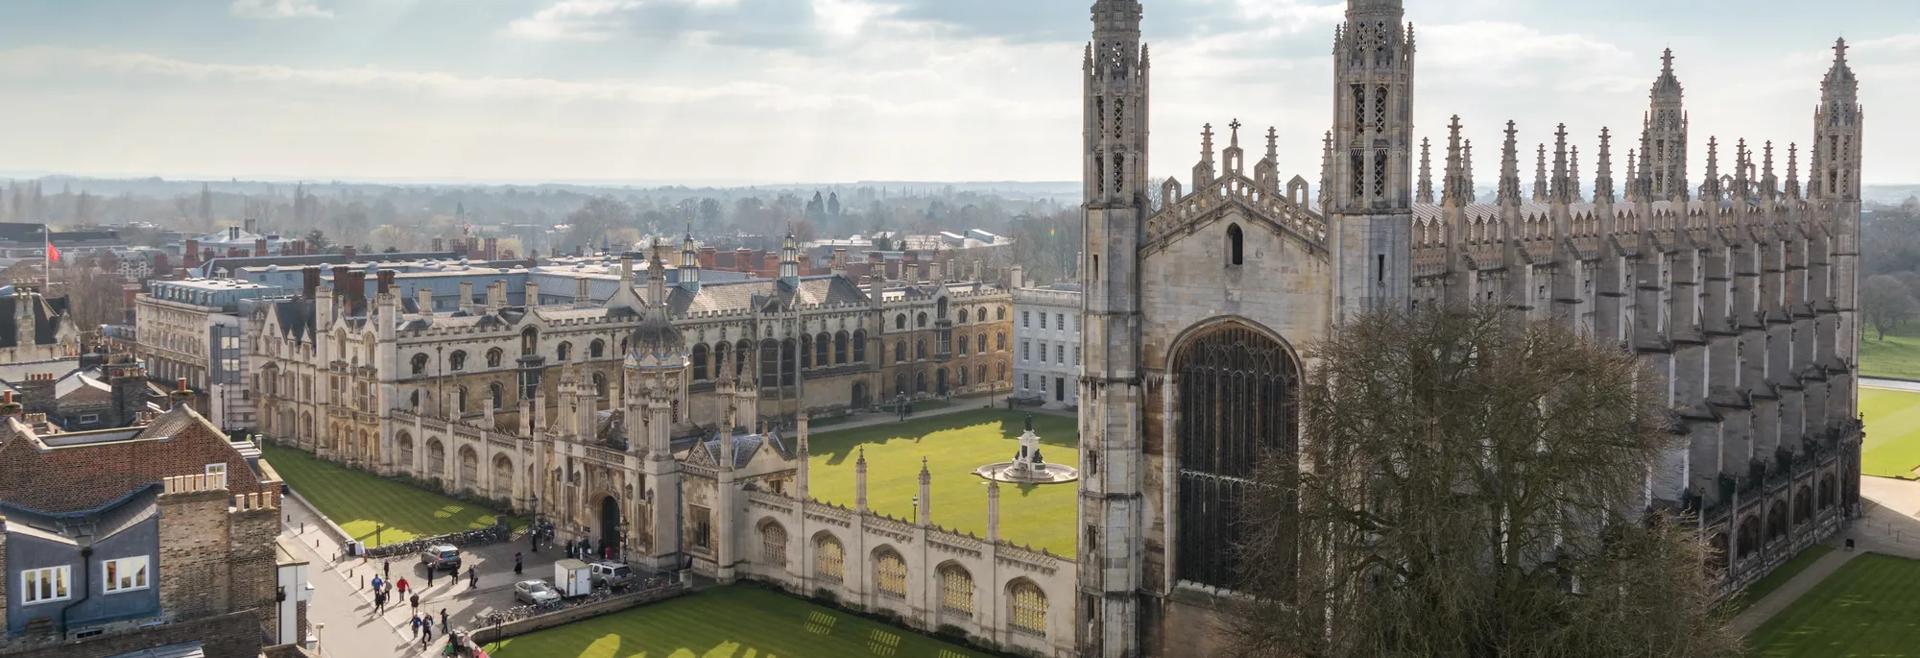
column 360, row 502
column 954, row 444
column 1897, row 356
column 1892, row 447
column 1761, row 588
column 1867, row 608
column 729, row 622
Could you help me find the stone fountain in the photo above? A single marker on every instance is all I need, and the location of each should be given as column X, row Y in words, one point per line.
column 1028, row 466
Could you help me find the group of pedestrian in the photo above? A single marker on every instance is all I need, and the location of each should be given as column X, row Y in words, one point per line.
column 384, row 590
column 423, row 626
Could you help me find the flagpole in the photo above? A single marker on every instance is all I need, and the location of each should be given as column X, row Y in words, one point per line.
column 46, row 258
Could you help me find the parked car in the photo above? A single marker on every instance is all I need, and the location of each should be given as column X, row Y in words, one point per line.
column 441, row 558
column 534, row 592
column 612, row 575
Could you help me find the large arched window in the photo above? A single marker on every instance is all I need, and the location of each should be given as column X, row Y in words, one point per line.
column 1235, row 245
column 899, row 351
column 859, row 345
column 840, row 348
column 900, row 321
column 829, row 559
column 956, row 590
column 920, row 349
column 496, row 394
column 1027, row 608
column 890, row 573
column 773, row 543
column 822, row 348
column 529, row 341
column 1237, row 394
column 699, row 358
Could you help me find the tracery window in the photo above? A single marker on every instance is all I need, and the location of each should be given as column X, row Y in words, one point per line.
column 1029, row 608
column 1237, row 396
column 1380, row 173
column 829, row 559
column 773, row 544
column 890, row 574
column 1380, row 110
column 699, row 359
column 956, row 590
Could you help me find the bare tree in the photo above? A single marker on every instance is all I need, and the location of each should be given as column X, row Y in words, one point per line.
column 1887, row 302
column 1469, row 487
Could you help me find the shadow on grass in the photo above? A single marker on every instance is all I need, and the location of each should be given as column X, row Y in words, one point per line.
column 839, row 446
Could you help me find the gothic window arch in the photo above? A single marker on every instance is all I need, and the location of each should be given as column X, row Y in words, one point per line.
column 597, row 349
column 806, row 351
column 822, row 350
column 460, row 400
column 980, row 343
column 829, row 559
column 899, row 351
column 457, row 360
column 1238, row 391
column 889, row 573
column 529, row 341
column 859, row 346
column 840, row 340
column 494, row 356
column 698, row 356
column 921, row 321
column 920, row 349
column 600, row 388
column 496, row 394
column 1027, row 608
column 773, row 543
column 1000, row 341
column 419, row 364
column 940, row 309
column 1000, row 313
column 1236, row 243
column 956, row 590
column 963, row 316
column 564, row 352
column 900, row 321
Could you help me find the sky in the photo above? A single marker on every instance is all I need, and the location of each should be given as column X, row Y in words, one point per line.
column 824, row 91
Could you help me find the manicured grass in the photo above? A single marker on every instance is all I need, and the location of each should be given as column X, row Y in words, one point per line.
column 1761, row 588
column 953, row 445
column 1866, row 608
column 361, row 502
column 730, row 622
column 1897, row 356
column 1892, row 447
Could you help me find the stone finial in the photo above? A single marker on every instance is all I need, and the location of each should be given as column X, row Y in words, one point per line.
column 1540, row 175
column 1273, row 144
column 1425, row 194
column 1710, row 188
column 1574, row 194
column 1633, row 176
column 1793, row 171
column 1603, row 182
column 860, row 481
column 1510, row 168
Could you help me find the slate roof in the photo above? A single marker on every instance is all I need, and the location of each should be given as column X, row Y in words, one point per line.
column 78, row 471
column 48, row 315
column 762, row 293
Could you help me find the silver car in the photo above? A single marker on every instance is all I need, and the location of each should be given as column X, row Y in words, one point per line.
column 535, row 592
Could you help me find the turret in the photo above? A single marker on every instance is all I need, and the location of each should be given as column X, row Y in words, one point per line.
column 1838, row 126
column 802, row 453
column 1371, row 214
column 689, row 263
column 1425, row 192
column 1664, row 143
column 790, row 260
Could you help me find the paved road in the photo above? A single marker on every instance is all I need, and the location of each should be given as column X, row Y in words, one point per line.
column 1895, row 384
column 343, row 600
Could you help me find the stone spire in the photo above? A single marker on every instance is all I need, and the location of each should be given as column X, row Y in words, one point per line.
column 1574, row 193
column 1326, row 172
column 689, row 262
column 1710, row 188
column 1769, row 183
column 1633, row 176
column 1466, row 175
column 1510, row 169
column 802, row 452
column 1540, row 189
column 657, row 273
column 924, row 504
column 1451, row 184
column 1559, row 191
column 1273, row 144
column 1603, row 179
column 790, row 259
column 1793, row 170
column 1425, row 192
column 1203, row 171
column 860, row 482
column 1742, row 161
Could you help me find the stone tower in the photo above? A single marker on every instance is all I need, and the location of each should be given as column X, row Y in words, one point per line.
column 1834, row 182
column 1371, row 209
column 1110, row 507
column 656, row 373
column 1665, row 144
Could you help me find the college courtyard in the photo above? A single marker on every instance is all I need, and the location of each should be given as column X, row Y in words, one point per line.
column 736, row 620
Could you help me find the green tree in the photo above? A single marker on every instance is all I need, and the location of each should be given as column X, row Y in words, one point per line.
column 1471, row 487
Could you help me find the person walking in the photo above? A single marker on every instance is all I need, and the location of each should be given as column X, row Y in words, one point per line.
column 533, row 539
column 414, row 621
column 426, row 630
column 430, row 571
column 386, row 567
column 416, row 602
column 402, row 586
column 379, row 601
column 376, row 583
column 516, row 564
column 443, row 621
column 473, row 577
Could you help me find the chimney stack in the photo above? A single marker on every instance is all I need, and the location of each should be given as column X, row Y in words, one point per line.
column 8, row 407
column 309, row 281
column 439, row 244
column 181, row 395
column 386, row 281
column 466, row 297
column 259, row 246
column 492, row 251
column 191, row 257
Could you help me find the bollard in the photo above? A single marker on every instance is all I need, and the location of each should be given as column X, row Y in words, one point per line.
column 363, row 581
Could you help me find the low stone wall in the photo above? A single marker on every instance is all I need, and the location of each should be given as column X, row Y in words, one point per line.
column 232, row 635
column 327, row 525
column 491, row 634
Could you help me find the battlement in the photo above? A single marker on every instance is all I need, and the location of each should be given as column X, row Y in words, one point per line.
column 183, row 484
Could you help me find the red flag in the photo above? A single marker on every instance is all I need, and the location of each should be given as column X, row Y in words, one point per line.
column 53, row 253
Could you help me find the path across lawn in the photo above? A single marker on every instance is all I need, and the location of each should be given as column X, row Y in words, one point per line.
column 362, row 503
column 736, row 621
column 954, row 444
column 1866, row 608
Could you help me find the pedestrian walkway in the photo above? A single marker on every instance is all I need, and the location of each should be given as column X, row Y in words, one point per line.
column 959, row 405
column 1889, row 525
column 1787, row 593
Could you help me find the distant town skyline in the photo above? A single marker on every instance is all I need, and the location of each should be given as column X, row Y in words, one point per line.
column 731, row 92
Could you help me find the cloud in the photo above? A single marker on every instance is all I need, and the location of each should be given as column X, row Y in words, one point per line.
column 755, row 23
column 278, row 9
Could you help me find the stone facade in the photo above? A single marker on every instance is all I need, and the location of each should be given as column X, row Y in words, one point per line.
column 1740, row 294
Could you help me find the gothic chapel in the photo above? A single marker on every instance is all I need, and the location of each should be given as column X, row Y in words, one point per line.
column 1740, row 291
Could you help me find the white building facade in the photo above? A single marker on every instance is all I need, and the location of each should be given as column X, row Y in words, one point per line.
column 1046, row 330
